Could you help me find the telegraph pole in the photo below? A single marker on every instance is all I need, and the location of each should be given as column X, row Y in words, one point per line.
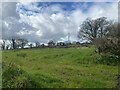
column 68, row 37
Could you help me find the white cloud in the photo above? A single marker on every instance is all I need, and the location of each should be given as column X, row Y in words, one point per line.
column 102, row 9
column 53, row 23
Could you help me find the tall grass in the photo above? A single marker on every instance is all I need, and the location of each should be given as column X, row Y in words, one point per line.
column 58, row 67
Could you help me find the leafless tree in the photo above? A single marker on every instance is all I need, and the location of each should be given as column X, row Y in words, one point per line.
column 37, row 44
column 21, row 42
column 2, row 45
column 51, row 43
column 91, row 29
column 17, row 42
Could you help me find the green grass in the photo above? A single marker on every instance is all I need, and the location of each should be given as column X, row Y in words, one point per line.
column 63, row 67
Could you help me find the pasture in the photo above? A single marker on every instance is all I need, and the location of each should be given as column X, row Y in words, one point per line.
column 58, row 68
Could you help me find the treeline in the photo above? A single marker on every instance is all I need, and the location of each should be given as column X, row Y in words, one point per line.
column 19, row 43
column 13, row 43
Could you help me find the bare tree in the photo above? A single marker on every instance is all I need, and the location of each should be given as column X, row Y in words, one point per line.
column 17, row 42
column 103, row 26
column 51, row 43
column 7, row 46
column 31, row 45
column 13, row 39
column 92, row 29
column 21, row 42
column 2, row 45
column 37, row 44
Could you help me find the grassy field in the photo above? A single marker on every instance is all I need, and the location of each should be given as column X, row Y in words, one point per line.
column 60, row 67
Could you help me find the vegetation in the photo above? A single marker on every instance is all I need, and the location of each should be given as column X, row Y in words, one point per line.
column 91, row 29
column 105, row 35
column 57, row 67
column 14, row 77
column 61, row 65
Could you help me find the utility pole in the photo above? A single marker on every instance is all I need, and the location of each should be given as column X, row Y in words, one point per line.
column 68, row 37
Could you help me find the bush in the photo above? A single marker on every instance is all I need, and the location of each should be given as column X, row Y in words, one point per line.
column 109, row 46
column 108, row 59
column 14, row 77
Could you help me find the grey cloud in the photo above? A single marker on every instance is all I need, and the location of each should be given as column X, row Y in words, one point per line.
column 9, row 10
column 48, row 26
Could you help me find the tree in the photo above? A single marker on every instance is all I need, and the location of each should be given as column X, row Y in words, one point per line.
column 10, row 46
column 51, row 43
column 13, row 39
column 3, row 45
column 37, row 44
column 42, row 45
column 17, row 42
column 21, row 42
column 103, row 25
column 77, row 43
column 31, row 45
column 7, row 46
column 92, row 29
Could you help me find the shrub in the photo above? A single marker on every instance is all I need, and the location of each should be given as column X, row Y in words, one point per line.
column 108, row 59
column 14, row 77
column 109, row 46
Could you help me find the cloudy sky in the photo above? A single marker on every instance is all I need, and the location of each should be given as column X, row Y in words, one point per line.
column 44, row 21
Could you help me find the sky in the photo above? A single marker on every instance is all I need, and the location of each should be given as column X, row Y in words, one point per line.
column 44, row 21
